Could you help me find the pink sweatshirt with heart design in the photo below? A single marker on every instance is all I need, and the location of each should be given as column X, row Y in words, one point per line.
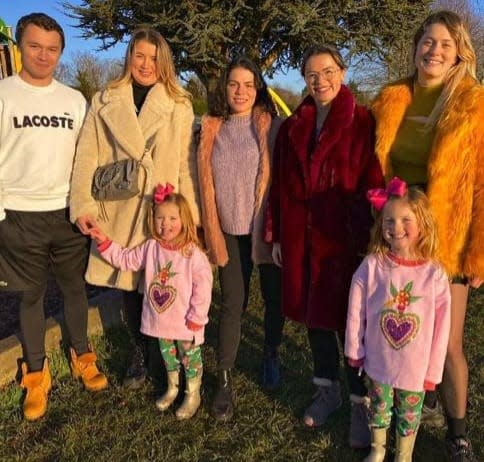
column 399, row 320
column 177, row 287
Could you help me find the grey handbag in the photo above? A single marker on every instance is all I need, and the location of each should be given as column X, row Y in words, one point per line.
column 117, row 181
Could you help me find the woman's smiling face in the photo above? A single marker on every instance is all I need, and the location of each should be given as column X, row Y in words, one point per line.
column 435, row 55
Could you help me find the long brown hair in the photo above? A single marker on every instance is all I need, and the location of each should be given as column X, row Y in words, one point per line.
column 426, row 246
column 165, row 66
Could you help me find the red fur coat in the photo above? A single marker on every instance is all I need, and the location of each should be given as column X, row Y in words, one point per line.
column 319, row 211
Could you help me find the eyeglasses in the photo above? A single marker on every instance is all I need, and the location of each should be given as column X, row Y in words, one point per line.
column 327, row 74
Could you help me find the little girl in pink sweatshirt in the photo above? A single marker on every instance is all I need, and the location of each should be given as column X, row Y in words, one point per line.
column 399, row 316
column 177, row 291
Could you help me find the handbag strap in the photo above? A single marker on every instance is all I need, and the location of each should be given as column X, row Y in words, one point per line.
column 149, row 144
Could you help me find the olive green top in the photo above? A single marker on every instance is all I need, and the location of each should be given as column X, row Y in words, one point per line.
column 412, row 146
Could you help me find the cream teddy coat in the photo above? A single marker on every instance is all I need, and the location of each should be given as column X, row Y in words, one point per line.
column 112, row 131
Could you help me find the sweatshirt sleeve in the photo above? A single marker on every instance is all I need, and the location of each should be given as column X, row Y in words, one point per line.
column 356, row 320
column 440, row 337
column 126, row 259
column 201, row 290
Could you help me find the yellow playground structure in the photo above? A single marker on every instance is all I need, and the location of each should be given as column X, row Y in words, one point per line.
column 279, row 102
column 9, row 54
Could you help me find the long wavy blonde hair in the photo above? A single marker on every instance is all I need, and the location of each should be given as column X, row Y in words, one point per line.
column 466, row 58
column 164, row 63
column 426, row 246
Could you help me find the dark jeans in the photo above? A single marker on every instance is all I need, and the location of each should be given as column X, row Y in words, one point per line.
column 36, row 241
column 324, row 347
column 234, row 283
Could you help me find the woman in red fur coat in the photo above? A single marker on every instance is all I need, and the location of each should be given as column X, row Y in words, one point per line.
column 324, row 162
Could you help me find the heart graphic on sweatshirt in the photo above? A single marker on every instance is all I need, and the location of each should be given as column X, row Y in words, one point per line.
column 161, row 297
column 399, row 328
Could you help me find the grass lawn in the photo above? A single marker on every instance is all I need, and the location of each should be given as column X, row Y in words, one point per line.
column 117, row 424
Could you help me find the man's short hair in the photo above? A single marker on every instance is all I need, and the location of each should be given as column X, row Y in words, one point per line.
column 40, row 20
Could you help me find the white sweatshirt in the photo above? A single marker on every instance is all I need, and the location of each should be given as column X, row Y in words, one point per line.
column 39, row 127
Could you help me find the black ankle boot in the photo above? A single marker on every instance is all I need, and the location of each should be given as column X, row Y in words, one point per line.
column 271, row 374
column 136, row 373
column 223, row 405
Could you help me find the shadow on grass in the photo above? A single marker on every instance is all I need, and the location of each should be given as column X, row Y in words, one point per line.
column 117, row 424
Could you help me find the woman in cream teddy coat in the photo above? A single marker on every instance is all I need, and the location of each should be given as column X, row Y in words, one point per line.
column 144, row 108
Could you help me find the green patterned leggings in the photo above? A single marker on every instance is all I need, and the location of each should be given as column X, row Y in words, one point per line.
column 176, row 352
column 407, row 407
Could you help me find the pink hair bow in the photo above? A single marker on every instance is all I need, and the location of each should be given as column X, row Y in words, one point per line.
column 162, row 192
column 378, row 197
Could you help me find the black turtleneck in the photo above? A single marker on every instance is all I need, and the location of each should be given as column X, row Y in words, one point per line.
column 139, row 94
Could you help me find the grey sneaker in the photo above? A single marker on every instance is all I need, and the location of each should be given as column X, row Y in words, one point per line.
column 360, row 435
column 326, row 400
column 459, row 450
column 433, row 416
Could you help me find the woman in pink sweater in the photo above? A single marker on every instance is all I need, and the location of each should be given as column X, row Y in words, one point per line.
column 399, row 316
column 177, row 291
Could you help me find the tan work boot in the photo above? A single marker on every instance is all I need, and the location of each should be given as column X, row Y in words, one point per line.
column 171, row 392
column 84, row 367
column 192, row 400
column 404, row 449
column 378, row 445
column 37, row 385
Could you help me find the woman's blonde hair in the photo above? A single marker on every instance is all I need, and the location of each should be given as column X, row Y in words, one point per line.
column 426, row 246
column 466, row 58
column 188, row 233
column 165, row 67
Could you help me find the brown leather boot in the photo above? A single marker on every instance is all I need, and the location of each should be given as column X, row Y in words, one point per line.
column 84, row 367
column 37, row 385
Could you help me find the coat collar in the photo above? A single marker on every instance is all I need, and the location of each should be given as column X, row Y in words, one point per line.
column 301, row 133
column 131, row 131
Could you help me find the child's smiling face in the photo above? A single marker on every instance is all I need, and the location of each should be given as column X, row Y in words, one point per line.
column 400, row 228
column 167, row 221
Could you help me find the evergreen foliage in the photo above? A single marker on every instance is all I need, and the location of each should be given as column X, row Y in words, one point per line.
column 205, row 34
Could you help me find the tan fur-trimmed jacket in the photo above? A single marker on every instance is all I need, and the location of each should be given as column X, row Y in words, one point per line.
column 455, row 169
column 112, row 132
column 266, row 128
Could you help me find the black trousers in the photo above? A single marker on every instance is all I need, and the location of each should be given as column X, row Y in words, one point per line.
column 37, row 240
column 234, row 283
column 326, row 357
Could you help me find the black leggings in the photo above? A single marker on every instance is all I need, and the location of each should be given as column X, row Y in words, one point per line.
column 234, row 283
column 326, row 357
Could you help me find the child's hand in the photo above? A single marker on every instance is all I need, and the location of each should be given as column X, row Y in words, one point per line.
column 97, row 235
column 193, row 326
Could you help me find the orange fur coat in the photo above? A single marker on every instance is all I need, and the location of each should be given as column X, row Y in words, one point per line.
column 455, row 169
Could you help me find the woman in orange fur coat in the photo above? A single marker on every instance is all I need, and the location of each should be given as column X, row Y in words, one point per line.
column 429, row 132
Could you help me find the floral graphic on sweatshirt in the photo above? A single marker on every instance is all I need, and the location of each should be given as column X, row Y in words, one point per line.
column 161, row 295
column 398, row 326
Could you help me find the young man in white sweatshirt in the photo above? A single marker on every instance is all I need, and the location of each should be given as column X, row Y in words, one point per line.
column 40, row 120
